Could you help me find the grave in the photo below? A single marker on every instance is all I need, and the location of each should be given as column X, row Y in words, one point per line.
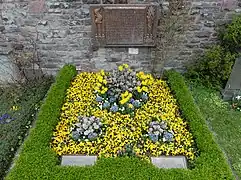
column 234, row 83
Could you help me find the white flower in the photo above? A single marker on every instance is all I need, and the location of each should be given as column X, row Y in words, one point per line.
column 238, row 97
column 86, row 132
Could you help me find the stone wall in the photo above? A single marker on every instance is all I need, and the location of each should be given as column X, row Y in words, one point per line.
column 204, row 18
column 61, row 30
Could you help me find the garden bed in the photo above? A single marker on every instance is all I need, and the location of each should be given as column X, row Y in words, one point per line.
column 121, row 113
column 18, row 106
column 39, row 161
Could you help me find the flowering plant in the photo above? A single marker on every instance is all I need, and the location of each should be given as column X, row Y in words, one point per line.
column 88, row 128
column 123, row 90
column 158, row 131
column 236, row 101
column 152, row 127
column 6, row 118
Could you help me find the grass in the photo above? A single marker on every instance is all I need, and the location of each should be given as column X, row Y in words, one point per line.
column 38, row 161
column 27, row 99
column 223, row 121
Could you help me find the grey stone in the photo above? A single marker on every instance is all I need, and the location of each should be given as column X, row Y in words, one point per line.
column 209, row 24
column 43, row 23
column 234, row 83
column 169, row 162
column 2, row 28
column 8, row 71
column 202, row 34
column 237, row 10
column 195, row 11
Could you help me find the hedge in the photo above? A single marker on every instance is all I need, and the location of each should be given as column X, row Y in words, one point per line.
column 38, row 161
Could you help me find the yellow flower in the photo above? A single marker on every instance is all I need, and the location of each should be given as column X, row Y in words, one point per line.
column 144, row 88
column 125, row 65
column 123, row 101
column 98, row 84
column 139, row 90
column 130, row 106
column 120, row 68
column 104, row 82
column 129, row 95
column 14, row 108
column 102, row 72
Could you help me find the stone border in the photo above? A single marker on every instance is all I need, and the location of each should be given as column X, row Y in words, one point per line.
column 78, row 160
column 168, row 162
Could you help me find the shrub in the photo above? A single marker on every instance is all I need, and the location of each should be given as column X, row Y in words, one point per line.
column 230, row 35
column 214, row 68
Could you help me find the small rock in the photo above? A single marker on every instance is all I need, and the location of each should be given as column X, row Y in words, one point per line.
column 43, row 23
column 2, row 28
column 237, row 10
column 17, row 46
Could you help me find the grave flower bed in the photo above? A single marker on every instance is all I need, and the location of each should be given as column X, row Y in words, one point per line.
column 122, row 112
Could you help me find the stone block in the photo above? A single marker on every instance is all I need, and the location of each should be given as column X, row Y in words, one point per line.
column 203, row 34
column 78, row 160
column 36, row 6
column 169, row 162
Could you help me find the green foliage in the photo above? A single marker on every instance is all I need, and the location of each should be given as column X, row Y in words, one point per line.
column 214, row 68
column 230, row 35
column 38, row 161
column 223, row 121
column 27, row 99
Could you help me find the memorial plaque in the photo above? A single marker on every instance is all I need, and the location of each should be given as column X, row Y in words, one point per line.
column 124, row 25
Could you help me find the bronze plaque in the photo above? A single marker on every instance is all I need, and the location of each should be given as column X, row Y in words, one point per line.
column 124, row 25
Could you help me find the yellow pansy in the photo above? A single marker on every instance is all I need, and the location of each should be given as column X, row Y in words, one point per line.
column 144, row 88
column 120, row 68
column 130, row 106
column 139, row 90
column 125, row 65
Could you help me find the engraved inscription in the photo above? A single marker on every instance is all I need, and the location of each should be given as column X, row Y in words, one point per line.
column 125, row 26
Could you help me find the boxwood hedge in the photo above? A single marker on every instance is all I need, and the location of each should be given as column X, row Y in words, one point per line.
column 38, row 161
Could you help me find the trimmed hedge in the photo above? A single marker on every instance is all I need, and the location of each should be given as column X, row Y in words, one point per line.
column 38, row 161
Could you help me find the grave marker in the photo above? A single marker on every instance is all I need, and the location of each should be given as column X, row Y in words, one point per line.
column 234, row 83
column 124, row 25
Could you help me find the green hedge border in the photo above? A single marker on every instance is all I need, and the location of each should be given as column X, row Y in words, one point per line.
column 38, row 161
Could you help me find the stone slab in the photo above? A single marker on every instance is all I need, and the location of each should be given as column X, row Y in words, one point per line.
column 234, row 83
column 124, row 25
column 169, row 162
column 75, row 160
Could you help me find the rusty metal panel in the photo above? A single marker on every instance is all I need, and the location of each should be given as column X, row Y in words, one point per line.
column 124, row 25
